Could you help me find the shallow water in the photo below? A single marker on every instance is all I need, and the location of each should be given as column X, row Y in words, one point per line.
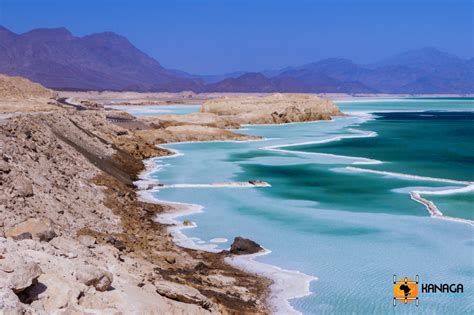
column 352, row 230
column 147, row 110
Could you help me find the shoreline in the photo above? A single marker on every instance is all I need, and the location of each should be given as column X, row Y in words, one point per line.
column 278, row 299
column 147, row 271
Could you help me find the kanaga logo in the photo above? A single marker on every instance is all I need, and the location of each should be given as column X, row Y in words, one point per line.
column 405, row 290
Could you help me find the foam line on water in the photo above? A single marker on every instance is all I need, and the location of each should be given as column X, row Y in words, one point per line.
column 449, row 191
column 415, row 195
column 434, row 211
column 165, row 145
column 216, row 185
column 409, row 176
column 430, row 205
column 355, row 160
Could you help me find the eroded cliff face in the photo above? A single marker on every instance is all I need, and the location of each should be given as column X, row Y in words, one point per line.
column 272, row 109
column 74, row 237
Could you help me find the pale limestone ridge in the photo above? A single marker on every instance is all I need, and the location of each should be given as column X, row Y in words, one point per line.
column 272, row 109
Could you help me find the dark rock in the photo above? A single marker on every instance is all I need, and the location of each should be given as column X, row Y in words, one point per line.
column 187, row 223
column 201, row 268
column 119, row 245
column 244, row 246
column 37, row 228
column 115, row 242
column 121, row 132
column 23, row 236
column 170, row 259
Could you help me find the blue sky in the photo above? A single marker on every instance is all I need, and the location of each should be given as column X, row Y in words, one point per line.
column 216, row 36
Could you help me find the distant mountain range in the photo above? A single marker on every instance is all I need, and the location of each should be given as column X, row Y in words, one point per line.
column 103, row 61
column 107, row 61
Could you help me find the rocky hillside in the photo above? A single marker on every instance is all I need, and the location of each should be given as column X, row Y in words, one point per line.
column 75, row 238
column 272, row 109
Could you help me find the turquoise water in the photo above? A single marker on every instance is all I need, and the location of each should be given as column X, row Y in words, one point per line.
column 351, row 229
column 152, row 110
column 409, row 142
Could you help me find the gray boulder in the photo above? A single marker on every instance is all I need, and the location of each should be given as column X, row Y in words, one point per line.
column 17, row 274
column 38, row 229
column 89, row 275
column 244, row 246
column 22, row 187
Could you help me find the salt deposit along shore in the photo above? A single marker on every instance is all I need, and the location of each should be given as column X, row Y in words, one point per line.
column 286, row 284
column 75, row 237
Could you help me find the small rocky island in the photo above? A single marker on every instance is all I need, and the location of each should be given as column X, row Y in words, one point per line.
column 272, row 109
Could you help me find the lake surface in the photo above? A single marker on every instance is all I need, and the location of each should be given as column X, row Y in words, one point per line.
column 147, row 110
column 339, row 205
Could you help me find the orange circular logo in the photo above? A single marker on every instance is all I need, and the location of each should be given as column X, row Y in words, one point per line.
column 405, row 290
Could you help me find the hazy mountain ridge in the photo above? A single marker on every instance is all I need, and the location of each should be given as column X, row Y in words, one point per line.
column 57, row 59
column 426, row 70
column 107, row 61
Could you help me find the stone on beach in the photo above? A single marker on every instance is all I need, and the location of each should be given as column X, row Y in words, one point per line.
column 59, row 292
column 17, row 274
column 100, row 279
column 244, row 246
column 70, row 248
column 182, row 293
column 22, row 187
column 9, row 302
column 38, row 229
column 87, row 240
column 187, row 223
